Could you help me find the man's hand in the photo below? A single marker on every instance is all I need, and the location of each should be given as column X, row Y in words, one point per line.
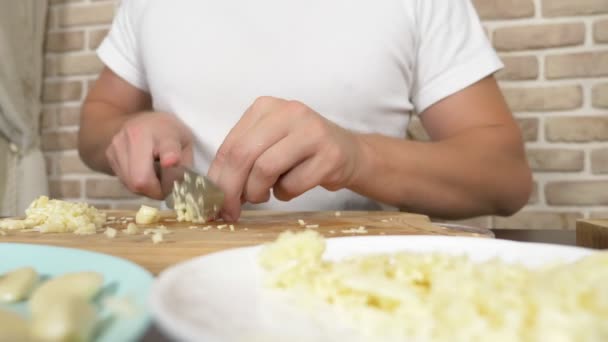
column 284, row 146
column 142, row 139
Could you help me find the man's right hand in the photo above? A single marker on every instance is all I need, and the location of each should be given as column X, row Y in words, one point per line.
column 146, row 137
column 121, row 135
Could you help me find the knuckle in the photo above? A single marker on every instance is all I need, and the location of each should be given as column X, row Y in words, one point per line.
column 259, row 197
column 238, row 154
column 132, row 132
column 264, row 169
column 262, row 101
column 296, row 108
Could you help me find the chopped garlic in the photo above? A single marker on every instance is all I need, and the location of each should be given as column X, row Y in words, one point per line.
column 332, row 232
column 131, row 229
column 207, row 227
column 186, row 207
column 192, row 227
column 384, row 220
column 301, row 222
column 157, row 238
column 407, row 296
column 221, row 226
column 337, row 213
column 245, row 228
column 12, row 224
column 231, row 227
column 110, row 233
column 54, row 216
column 147, row 215
column 312, row 226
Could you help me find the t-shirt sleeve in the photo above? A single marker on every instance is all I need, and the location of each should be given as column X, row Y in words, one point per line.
column 120, row 50
column 453, row 51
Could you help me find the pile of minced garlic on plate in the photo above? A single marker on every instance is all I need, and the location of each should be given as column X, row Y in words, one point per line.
column 55, row 216
column 436, row 297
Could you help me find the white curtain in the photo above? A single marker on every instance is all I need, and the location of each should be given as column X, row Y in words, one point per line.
column 22, row 167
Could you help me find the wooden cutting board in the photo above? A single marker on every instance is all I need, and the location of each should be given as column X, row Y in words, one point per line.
column 253, row 228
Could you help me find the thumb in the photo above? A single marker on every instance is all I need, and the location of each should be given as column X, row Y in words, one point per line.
column 169, row 152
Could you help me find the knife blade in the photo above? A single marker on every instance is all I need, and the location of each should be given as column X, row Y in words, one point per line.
column 191, row 194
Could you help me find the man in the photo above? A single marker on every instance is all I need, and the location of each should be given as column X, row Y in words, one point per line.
column 308, row 102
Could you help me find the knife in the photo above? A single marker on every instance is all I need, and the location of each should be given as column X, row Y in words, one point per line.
column 194, row 194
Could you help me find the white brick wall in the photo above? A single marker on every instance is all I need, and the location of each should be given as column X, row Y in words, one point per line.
column 555, row 80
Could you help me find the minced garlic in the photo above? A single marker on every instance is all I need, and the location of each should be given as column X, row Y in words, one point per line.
column 55, row 216
column 408, row 296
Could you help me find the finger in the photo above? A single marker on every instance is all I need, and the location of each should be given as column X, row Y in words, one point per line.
column 169, row 151
column 307, row 175
column 275, row 161
column 111, row 158
column 119, row 150
column 260, row 107
column 240, row 158
column 142, row 178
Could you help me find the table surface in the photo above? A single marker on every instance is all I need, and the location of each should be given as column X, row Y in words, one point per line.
column 561, row 237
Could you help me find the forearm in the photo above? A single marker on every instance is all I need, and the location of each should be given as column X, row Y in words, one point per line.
column 98, row 125
column 482, row 171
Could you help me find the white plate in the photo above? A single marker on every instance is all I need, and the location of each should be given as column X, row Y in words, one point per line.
column 220, row 297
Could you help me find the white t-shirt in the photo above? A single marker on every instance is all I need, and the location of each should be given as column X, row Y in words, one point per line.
column 363, row 64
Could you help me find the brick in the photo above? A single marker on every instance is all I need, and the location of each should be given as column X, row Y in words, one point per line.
column 51, row 19
column 577, row 129
column 47, row 118
column 599, row 161
column 71, row 163
column 504, row 9
column 577, row 192
column 534, row 196
column 78, row 15
column 583, row 64
column 416, row 131
column 556, row 159
column 518, row 68
column 57, row 141
column 539, row 220
column 529, row 128
column 600, row 31
column 64, row 188
column 107, row 188
column 64, row 41
column 68, row 116
column 79, row 65
column 49, row 165
column 544, row 99
column 560, row 8
column 61, row 91
column 96, row 37
column 599, row 95
column 539, row 36
column 50, row 66
column 90, row 84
